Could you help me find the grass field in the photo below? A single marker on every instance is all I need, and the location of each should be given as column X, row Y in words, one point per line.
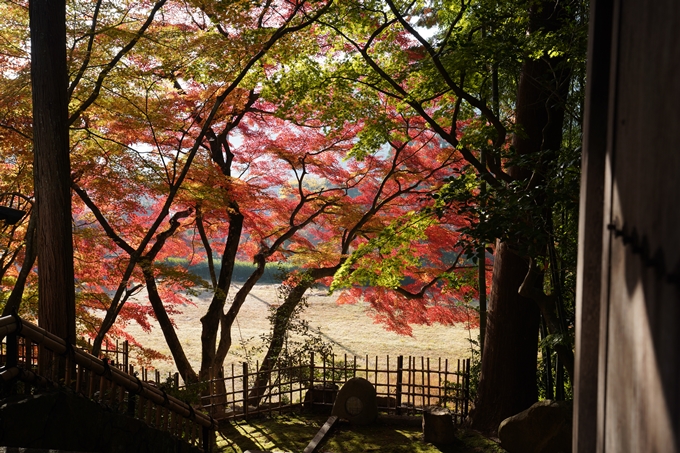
column 348, row 328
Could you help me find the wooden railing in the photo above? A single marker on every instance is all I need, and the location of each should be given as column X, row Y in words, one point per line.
column 96, row 379
column 404, row 385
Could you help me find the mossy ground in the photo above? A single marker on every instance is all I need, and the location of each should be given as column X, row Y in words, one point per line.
column 292, row 433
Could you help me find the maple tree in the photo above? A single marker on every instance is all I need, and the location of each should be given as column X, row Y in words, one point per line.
column 505, row 68
column 334, row 136
column 213, row 195
column 136, row 156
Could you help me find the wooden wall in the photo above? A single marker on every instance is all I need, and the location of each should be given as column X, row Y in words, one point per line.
column 627, row 396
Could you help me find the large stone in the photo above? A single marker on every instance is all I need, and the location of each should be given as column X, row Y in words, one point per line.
column 356, row 402
column 320, row 398
column 543, row 428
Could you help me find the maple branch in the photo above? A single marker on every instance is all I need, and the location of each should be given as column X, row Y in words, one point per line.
column 486, row 111
column 370, row 85
column 31, row 239
column 206, row 244
column 88, row 53
column 135, row 256
column 378, row 204
column 295, row 228
column 265, row 7
column 16, row 131
column 119, row 241
column 409, row 295
column 227, row 319
column 162, row 237
column 104, row 72
column 457, row 19
column 417, row 105
column 146, row 264
column 221, row 142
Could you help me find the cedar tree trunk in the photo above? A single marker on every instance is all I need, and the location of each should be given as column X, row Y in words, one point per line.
column 52, row 169
column 508, row 378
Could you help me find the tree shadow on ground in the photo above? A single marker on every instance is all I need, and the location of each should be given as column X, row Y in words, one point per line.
column 293, row 433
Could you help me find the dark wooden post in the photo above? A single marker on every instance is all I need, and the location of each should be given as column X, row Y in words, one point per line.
column 131, row 396
column 126, row 354
column 207, row 439
column 400, row 368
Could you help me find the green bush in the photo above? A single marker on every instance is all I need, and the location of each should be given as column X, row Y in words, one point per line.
column 273, row 272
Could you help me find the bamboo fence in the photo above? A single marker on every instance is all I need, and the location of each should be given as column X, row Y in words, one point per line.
column 404, row 385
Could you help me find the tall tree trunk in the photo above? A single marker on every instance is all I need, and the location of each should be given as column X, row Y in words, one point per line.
column 211, row 320
column 52, row 169
column 183, row 366
column 508, row 378
column 508, row 381
column 282, row 319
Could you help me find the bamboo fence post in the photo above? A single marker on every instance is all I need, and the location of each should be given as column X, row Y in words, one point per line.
column 410, row 396
column 233, row 390
column 311, row 370
column 467, row 385
column 375, row 374
column 429, row 388
column 422, row 380
column 458, row 388
column 400, row 369
column 439, row 380
column 79, row 378
column 211, row 390
column 389, row 388
column 366, row 367
column 131, row 396
column 245, row 390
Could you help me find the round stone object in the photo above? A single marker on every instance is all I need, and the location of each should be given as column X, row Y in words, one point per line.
column 356, row 402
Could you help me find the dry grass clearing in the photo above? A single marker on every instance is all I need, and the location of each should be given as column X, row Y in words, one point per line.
column 348, row 328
